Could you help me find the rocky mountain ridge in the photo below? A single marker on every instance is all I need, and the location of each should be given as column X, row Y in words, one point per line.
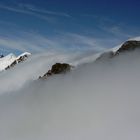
column 59, row 68
column 9, row 61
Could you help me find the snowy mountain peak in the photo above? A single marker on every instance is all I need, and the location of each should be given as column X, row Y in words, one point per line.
column 11, row 60
column 25, row 54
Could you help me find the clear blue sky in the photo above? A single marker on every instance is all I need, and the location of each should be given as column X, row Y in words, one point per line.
column 75, row 25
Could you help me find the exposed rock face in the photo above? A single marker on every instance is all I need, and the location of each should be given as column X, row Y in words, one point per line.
column 22, row 58
column 58, row 68
column 19, row 59
column 12, row 65
column 1, row 56
column 129, row 46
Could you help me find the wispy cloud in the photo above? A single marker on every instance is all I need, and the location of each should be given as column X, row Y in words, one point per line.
column 34, row 11
column 34, row 42
column 116, row 30
column 23, row 11
column 17, row 45
column 24, row 42
column 80, row 41
column 110, row 26
column 42, row 11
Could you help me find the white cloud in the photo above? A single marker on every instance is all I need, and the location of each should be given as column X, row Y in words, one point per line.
column 33, row 11
column 19, row 44
column 99, row 102
column 116, row 30
column 34, row 42
column 42, row 11
column 79, row 42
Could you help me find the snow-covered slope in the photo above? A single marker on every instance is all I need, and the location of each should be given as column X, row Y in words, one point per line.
column 11, row 58
column 7, row 61
column 25, row 54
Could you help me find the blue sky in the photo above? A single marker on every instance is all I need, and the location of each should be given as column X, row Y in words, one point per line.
column 74, row 25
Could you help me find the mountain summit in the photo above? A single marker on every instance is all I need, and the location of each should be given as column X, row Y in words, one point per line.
column 11, row 60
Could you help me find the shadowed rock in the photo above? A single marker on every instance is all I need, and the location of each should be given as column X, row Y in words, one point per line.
column 12, row 65
column 22, row 58
column 1, row 56
column 58, row 68
column 19, row 59
column 129, row 46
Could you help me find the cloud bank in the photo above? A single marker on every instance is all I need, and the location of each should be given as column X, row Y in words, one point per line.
column 95, row 101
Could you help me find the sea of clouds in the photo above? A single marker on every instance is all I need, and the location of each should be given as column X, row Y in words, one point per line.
column 95, row 101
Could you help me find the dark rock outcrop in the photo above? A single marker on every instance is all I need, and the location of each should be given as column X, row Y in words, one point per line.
column 12, row 65
column 19, row 59
column 126, row 47
column 22, row 58
column 58, row 68
column 129, row 46
column 1, row 56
